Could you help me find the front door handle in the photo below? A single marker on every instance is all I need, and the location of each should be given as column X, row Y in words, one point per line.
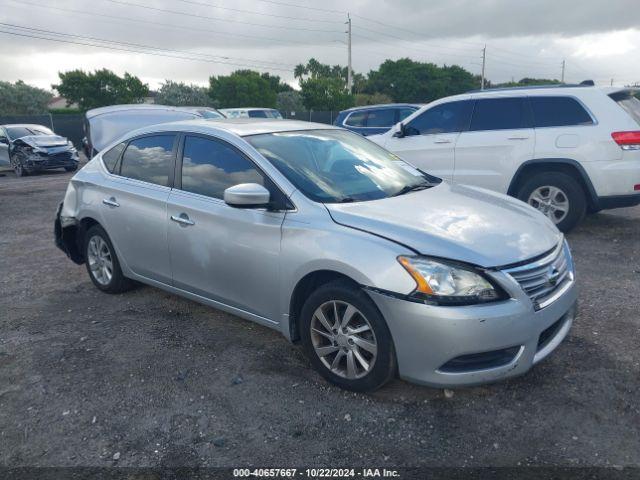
column 182, row 219
column 442, row 140
column 519, row 138
column 110, row 202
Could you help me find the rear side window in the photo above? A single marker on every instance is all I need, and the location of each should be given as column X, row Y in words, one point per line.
column 210, row 166
column 499, row 114
column 558, row 112
column 149, row 159
column 257, row 114
column 381, row 118
column 111, row 157
column 356, row 119
column 629, row 104
column 443, row 118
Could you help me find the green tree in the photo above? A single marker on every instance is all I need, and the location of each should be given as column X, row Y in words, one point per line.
column 323, row 87
column 182, row 95
column 527, row 82
column 22, row 99
column 289, row 101
column 406, row 80
column 100, row 88
column 372, row 99
column 243, row 88
column 276, row 84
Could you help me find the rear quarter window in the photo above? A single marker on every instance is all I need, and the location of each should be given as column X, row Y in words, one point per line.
column 111, row 157
column 629, row 104
column 558, row 112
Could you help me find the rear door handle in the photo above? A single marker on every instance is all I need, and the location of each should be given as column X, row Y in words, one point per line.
column 182, row 219
column 442, row 140
column 518, row 138
column 111, row 202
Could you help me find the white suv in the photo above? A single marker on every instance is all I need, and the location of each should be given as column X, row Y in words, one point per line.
column 566, row 150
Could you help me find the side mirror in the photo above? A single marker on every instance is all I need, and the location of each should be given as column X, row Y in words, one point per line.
column 247, row 195
column 4, row 140
column 400, row 130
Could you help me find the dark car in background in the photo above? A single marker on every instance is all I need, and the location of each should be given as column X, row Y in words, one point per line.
column 31, row 148
column 374, row 119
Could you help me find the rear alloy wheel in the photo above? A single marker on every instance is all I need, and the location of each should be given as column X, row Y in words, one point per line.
column 102, row 262
column 346, row 338
column 558, row 196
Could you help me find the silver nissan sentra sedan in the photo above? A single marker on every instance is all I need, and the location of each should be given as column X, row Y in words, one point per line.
column 374, row 266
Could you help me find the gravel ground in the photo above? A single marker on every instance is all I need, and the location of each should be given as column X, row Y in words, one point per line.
column 150, row 379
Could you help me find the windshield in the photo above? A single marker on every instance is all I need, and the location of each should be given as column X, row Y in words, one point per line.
column 332, row 166
column 19, row 132
column 210, row 114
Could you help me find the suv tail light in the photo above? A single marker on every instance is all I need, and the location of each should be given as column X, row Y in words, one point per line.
column 627, row 140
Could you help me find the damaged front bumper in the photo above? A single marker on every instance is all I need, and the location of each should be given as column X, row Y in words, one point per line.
column 66, row 236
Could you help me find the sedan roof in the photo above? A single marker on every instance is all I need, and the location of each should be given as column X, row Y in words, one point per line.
column 238, row 126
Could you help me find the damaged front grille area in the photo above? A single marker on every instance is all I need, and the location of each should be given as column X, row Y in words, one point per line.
column 546, row 279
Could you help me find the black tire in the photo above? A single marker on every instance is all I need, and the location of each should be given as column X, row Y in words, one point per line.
column 384, row 365
column 118, row 282
column 570, row 188
column 18, row 168
column 71, row 169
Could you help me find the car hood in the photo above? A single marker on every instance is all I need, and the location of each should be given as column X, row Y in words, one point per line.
column 458, row 222
column 44, row 140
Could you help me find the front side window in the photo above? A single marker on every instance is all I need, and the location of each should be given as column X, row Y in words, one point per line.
column 149, row 159
column 337, row 166
column 499, row 114
column 111, row 157
column 558, row 112
column 210, row 166
column 404, row 113
column 356, row 119
column 381, row 118
column 444, row 118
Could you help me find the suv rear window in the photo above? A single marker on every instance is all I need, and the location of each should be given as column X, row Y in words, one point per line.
column 558, row 112
column 499, row 114
column 629, row 104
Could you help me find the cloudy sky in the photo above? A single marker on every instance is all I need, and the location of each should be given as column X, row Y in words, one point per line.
column 189, row 40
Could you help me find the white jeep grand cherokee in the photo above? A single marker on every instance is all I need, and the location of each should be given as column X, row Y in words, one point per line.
column 566, row 150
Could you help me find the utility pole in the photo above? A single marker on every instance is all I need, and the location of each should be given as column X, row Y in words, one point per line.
column 564, row 64
column 484, row 61
column 349, row 71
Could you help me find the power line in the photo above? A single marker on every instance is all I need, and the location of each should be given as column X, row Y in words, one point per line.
column 217, row 19
column 159, row 24
column 305, row 7
column 253, row 12
column 143, row 49
column 137, row 45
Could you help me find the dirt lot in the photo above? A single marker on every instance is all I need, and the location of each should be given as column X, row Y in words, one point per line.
column 150, row 379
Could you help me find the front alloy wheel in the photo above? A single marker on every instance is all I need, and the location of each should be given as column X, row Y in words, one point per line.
column 343, row 339
column 346, row 338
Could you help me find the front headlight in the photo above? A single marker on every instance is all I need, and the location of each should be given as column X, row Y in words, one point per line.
column 443, row 284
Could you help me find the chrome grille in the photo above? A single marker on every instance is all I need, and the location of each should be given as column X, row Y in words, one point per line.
column 544, row 280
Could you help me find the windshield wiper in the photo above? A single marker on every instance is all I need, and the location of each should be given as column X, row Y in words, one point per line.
column 412, row 188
